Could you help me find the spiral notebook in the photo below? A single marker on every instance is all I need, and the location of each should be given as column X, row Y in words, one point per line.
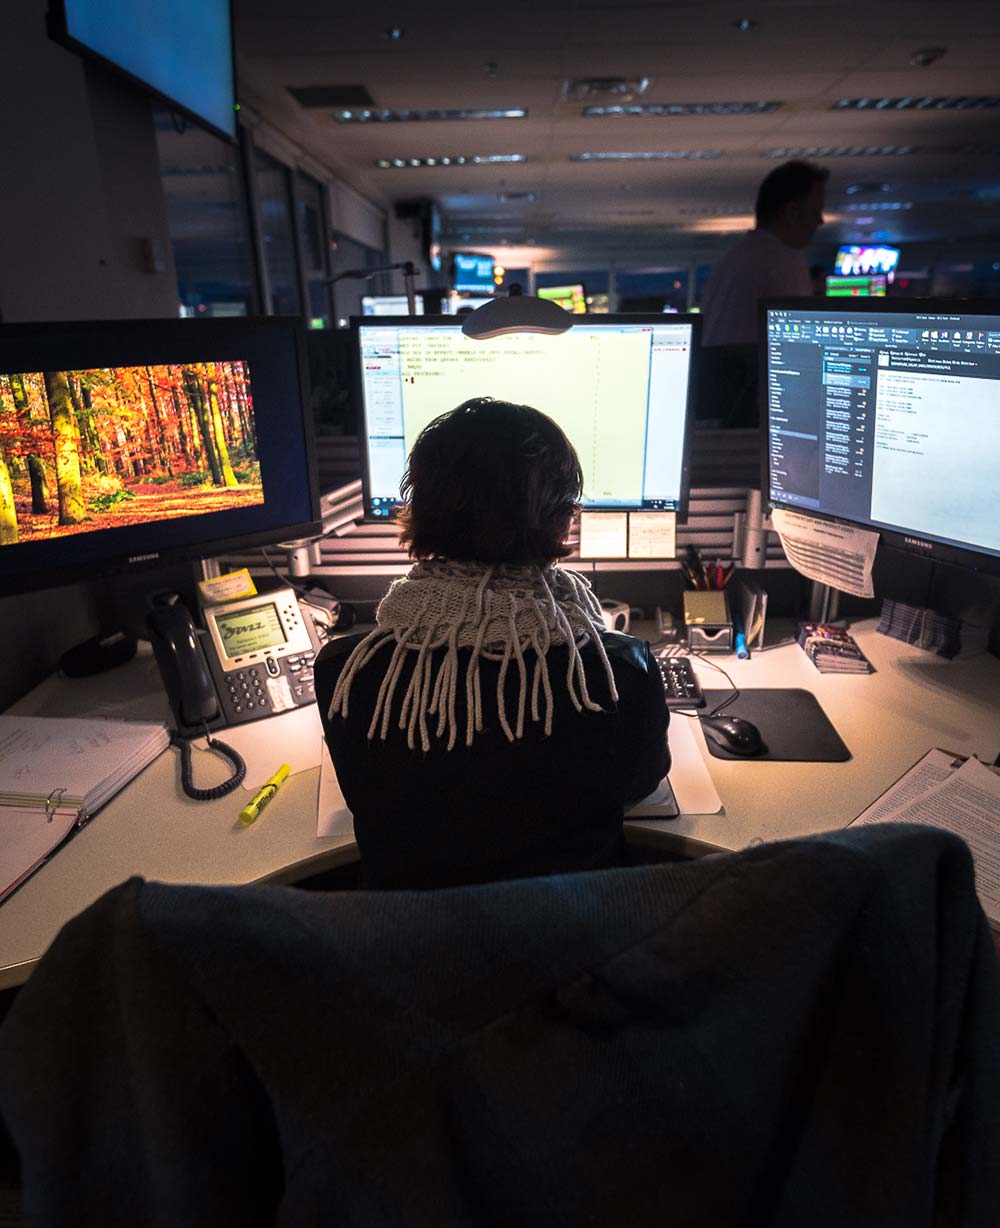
column 54, row 773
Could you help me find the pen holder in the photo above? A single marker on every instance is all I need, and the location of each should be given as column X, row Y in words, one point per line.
column 706, row 616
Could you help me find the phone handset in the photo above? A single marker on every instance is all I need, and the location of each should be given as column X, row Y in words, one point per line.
column 191, row 693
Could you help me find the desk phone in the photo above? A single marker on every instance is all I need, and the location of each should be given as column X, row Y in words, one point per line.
column 254, row 659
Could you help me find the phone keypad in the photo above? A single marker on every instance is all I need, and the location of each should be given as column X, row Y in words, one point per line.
column 246, row 690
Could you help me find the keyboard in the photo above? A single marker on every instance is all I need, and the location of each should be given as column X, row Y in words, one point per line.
column 679, row 683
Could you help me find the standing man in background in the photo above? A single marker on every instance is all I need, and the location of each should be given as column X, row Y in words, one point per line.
column 767, row 262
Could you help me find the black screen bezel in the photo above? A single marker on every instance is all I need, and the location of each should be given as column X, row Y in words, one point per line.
column 916, row 545
column 692, row 318
column 58, row 31
column 46, row 564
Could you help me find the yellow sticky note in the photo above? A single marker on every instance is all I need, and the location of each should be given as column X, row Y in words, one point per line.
column 230, row 587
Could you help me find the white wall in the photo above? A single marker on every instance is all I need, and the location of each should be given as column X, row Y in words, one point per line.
column 81, row 185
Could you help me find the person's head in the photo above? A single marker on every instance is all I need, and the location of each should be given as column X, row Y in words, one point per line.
column 790, row 202
column 490, row 482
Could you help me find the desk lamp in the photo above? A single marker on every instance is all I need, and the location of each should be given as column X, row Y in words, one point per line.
column 517, row 313
column 409, row 273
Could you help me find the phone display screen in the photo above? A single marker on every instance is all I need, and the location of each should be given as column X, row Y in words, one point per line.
column 250, row 630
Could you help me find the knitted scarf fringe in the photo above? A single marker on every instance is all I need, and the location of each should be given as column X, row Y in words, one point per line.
column 500, row 613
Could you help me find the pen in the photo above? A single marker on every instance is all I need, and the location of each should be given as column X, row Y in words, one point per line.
column 251, row 811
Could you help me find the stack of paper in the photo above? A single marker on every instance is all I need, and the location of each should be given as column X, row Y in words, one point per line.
column 54, row 773
column 832, row 650
column 961, row 796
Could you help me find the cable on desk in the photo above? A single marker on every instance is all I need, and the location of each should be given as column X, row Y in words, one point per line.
column 217, row 791
column 730, row 699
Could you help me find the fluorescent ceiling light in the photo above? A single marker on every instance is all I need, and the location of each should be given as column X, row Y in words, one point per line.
column 681, row 108
column 371, row 115
column 839, row 151
column 646, row 156
column 890, row 206
column 948, row 102
column 449, row 160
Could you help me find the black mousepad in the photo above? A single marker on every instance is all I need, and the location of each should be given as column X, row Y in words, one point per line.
column 792, row 726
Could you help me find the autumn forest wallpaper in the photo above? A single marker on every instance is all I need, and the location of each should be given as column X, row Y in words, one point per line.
column 98, row 449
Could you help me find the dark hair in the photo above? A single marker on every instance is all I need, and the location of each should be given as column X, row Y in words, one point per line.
column 490, row 482
column 788, row 182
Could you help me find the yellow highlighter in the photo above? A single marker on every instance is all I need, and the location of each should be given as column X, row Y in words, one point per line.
column 251, row 811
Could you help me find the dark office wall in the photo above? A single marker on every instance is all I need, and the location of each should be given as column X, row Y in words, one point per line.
column 81, row 191
column 36, row 629
column 82, row 198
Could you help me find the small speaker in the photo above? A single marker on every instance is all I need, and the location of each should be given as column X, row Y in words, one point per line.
column 615, row 615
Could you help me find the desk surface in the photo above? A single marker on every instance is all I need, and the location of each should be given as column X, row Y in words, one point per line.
column 888, row 719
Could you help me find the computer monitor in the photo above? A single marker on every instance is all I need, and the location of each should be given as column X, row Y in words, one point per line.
column 885, row 416
column 472, row 272
column 128, row 444
column 455, row 305
column 855, row 261
column 619, row 386
column 390, row 304
column 856, row 287
column 571, row 298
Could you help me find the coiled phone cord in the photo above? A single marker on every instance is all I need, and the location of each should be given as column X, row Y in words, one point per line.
column 220, row 748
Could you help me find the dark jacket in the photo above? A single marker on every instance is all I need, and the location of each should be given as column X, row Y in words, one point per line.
column 801, row 1035
column 541, row 805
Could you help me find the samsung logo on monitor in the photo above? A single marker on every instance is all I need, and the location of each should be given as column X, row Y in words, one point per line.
column 919, row 543
column 144, row 558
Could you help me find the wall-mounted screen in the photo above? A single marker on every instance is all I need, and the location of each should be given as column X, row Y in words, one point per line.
column 180, row 50
column 866, row 261
column 472, row 272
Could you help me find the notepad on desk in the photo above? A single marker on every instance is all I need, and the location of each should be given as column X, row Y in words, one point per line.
column 54, row 773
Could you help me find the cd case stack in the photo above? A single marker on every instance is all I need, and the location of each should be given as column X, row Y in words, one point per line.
column 832, row 650
column 923, row 628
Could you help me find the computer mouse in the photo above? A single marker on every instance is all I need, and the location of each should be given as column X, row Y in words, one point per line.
column 734, row 734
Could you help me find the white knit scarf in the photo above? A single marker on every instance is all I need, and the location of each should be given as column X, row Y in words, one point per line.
column 499, row 612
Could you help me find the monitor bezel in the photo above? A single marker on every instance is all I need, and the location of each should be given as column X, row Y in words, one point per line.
column 128, row 561
column 587, row 321
column 58, row 32
column 932, row 549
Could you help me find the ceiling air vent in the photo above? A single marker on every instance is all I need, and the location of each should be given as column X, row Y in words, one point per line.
column 948, row 102
column 605, row 89
column 331, row 95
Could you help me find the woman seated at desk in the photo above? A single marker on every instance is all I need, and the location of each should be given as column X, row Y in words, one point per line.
column 489, row 727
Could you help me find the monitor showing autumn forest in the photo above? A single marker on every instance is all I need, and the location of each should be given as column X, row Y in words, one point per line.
column 136, row 444
column 115, row 446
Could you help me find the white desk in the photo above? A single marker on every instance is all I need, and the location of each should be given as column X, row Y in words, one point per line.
column 888, row 719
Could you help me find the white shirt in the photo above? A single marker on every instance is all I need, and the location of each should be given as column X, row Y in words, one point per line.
column 759, row 266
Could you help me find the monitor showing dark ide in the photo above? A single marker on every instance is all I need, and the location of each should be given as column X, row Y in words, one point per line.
column 888, row 417
column 128, row 444
column 620, row 387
